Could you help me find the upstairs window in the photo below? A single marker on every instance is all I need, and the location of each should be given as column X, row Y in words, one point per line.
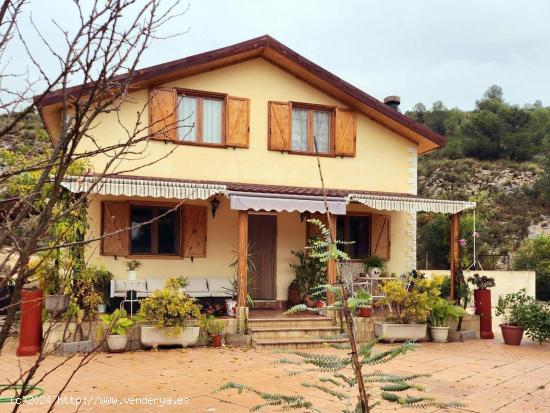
column 201, row 119
column 309, row 125
column 295, row 128
column 195, row 117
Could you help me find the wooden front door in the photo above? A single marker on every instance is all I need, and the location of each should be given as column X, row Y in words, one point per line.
column 262, row 238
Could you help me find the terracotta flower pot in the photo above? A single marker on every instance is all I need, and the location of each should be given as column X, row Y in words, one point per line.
column 217, row 341
column 365, row 312
column 512, row 334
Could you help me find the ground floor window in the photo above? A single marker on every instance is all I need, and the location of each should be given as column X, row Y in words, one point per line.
column 355, row 229
column 159, row 237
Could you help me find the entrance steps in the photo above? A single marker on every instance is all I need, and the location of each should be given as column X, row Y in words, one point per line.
column 293, row 333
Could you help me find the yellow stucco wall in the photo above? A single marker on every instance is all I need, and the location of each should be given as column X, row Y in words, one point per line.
column 380, row 164
column 222, row 239
column 383, row 163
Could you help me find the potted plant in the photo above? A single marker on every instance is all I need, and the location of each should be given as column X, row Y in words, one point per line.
column 231, row 304
column 363, row 309
column 174, row 316
column 132, row 267
column 515, row 310
column 118, row 325
column 213, row 329
column 441, row 310
column 102, row 278
column 482, row 303
column 409, row 302
column 54, row 280
column 309, row 271
column 374, row 265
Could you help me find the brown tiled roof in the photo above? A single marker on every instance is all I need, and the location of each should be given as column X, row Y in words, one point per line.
column 263, row 46
column 270, row 189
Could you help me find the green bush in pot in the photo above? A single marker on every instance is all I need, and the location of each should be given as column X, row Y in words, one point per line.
column 514, row 310
column 440, row 312
column 309, row 271
column 118, row 325
column 175, row 316
column 409, row 300
column 374, row 265
column 170, row 307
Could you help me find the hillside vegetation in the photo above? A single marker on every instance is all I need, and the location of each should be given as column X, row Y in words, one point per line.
column 498, row 156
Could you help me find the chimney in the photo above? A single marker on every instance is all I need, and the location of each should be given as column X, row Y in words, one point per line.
column 392, row 101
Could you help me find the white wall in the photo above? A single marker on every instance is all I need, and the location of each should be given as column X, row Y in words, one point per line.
column 506, row 281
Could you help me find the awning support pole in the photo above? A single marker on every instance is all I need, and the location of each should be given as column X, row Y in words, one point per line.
column 454, row 255
column 242, row 258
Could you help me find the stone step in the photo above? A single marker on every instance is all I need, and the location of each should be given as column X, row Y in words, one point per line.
column 294, row 343
column 294, row 332
column 290, row 322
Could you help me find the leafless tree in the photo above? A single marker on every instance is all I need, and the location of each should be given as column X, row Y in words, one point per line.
column 102, row 53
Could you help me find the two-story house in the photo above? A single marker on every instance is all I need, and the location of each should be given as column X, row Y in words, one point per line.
column 241, row 161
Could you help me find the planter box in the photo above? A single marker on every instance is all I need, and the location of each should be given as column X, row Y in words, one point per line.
column 68, row 349
column 400, row 332
column 154, row 337
column 470, row 328
column 364, row 328
column 55, row 333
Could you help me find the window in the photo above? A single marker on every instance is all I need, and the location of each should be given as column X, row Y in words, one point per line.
column 308, row 125
column 159, row 237
column 201, row 119
column 357, row 230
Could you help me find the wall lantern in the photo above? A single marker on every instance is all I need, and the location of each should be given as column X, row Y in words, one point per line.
column 215, row 205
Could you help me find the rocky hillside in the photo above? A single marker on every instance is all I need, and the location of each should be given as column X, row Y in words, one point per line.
column 508, row 207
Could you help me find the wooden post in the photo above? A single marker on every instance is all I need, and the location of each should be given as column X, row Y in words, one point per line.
column 454, row 255
column 331, row 265
column 243, row 258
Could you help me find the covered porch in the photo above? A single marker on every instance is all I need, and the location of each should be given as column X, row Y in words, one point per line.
column 220, row 223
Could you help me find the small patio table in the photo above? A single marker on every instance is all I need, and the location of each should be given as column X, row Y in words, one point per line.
column 131, row 287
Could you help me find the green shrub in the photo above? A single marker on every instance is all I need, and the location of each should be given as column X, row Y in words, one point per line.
column 170, row 307
column 117, row 322
column 534, row 254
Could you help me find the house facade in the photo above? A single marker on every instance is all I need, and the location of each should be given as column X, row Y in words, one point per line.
column 233, row 135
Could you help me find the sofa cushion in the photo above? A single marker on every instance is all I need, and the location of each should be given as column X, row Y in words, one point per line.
column 120, row 286
column 197, row 287
column 220, row 286
column 155, row 283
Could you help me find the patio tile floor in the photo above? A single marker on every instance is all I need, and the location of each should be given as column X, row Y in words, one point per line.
column 485, row 374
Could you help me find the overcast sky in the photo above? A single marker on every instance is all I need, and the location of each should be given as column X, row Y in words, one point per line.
column 421, row 50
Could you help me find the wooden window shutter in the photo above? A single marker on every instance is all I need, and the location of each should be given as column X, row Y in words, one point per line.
column 345, row 132
column 115, row 216
column 163, row 115
column 193, row 230
column 312, row 229
column 238, row 122
column 380, row 243
column 279, row 126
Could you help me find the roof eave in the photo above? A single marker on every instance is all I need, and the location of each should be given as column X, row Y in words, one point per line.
column 262, row 47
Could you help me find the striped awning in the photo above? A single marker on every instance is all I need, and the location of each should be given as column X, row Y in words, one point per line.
column 285, row 202
column 156, row 188
column 411, row 204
